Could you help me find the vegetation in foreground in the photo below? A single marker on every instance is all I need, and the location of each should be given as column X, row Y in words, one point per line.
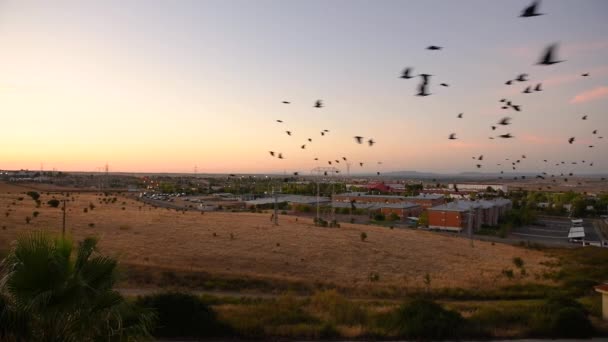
column 53, row 291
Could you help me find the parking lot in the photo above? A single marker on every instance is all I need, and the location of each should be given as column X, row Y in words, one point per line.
column 553, row 231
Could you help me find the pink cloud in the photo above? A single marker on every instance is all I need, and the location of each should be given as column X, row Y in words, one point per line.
column 590, row 95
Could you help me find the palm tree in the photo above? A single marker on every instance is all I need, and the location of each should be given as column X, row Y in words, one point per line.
column 47, row 294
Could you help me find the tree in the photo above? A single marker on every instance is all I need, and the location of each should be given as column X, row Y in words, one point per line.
column 50, row 294
column 423, row 219
column 53, row 203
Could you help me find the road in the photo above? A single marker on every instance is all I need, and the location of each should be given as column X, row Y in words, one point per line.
column 554, row 231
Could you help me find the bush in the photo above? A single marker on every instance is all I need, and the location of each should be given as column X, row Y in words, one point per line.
column 53, row 203
column 336, row 309
column 379, row 217
column 34, row 195
column 508, row 273
column 518, row 262
column 35, row 213
column 423, row 319
column 363, row 236
column 181, row 315
column 28, row 219
column 570, row 322
column 393, row 217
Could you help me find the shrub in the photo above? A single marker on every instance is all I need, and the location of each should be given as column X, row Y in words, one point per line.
column 53, row 203
column 34, row 195
column 28, row 219
column 507, row 272
column 35, row 213
column 422, row 319
column 570, row 322
column 91, row 225
column 85, row 210
column 379, row 217
column 518, row 262
column 393, row 217
column 182, row 315
column 336, row 309
column 363, row 236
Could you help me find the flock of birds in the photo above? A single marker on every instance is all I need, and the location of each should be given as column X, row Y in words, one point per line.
column 548, row 58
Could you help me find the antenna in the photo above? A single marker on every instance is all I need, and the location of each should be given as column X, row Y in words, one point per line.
column 107, row 170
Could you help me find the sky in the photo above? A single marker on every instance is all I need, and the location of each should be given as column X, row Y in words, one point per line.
column 164, row 86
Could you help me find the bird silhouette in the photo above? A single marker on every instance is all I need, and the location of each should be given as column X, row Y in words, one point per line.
column 406, row 73
column 422, row 91
column 538, row 87
column 303, row 146
column 453, row 136
column 326, row 130
column 516, row 107
column 329, row 162
column 480, row 157
column 434, row 47
column 309, row 140
column 505, row 121
column 585, row 74
column 571, row 140
column 584, row 117
column 359, row 139
column 280, row 121
column 281, row 156
column 286, row 102
column 322, row 133
column 493, row 128
column 595, row 131
column 479, row 166
column 444, row 84
column 344, row 158
column 522, row 78
column 509, row 82
column 591, row 146
column 460, row 115
column 378, row 173
column 371, row 142
column 530, row 11
column 295, row 173
column 548, row 57
column 316, row 158
column 271, row 153
column 506, row 136
column 319, row 104
column 361, row 164
column 527, row 91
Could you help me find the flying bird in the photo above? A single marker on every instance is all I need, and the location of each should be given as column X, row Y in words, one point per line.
column 538, row 87
column 571, row 140
column 361, row 164
column 548, row 57
column 406, row 73
column 434, row 47
column 522, row 78
column 319, row 104
column 280, row 121
column 444, row 84
column 422, row 91
column 509, row 82
column 280, row 155
column 530, row 11
column 295, row 173
column 584, row 117
column 359, row 139
column 288, row 132
column 303, row 146
column 527, row 91
column 585, row 74
column 371, row 142
column 516, row 107
column 479, row 166
column 453, row 136
column 506, row 136
column 480, row 157
column 505, row 121
column 460, row 115
column 595, row 131
column 271, row 153
column 286, row 102
column 493, row 128
column 309, row 140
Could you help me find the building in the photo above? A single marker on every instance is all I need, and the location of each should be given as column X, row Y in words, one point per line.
column 402, row 209
column 289, row 199
column 479, row 187
column 603, row 289
column 423, row 200
column 427, row 200
column 455, row 216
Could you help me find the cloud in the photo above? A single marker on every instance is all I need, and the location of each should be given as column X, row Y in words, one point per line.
column 590, row 95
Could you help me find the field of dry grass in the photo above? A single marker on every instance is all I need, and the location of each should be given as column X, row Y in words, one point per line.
column 246, row 244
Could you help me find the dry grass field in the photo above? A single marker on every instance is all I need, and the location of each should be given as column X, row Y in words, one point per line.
column 246, row 244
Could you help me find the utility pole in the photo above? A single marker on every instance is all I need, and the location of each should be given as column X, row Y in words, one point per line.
column 276, row 208
column 63, row 228
column 318, row 199
column 470, row 224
